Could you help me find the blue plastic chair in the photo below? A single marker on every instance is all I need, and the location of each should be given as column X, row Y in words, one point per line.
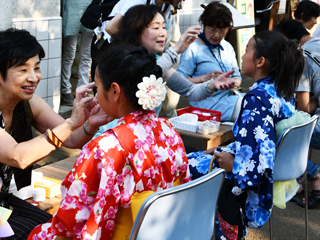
column 183, row 212
column 292, row 157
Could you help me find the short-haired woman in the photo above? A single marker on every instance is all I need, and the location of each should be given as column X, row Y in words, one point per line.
column 210, row 53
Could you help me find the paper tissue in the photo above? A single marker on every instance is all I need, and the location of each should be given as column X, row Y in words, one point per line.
column 51, row 185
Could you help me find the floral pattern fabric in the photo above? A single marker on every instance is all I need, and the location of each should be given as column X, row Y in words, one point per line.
column 254, row 149
column 230, row 231
column 142, row 153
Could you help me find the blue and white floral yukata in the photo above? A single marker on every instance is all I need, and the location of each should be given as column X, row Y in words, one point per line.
column 253, row 150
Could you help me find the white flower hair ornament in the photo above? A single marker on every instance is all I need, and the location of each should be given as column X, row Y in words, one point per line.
column 151, row 92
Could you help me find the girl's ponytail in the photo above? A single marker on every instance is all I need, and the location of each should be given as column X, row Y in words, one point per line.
column 291, row 64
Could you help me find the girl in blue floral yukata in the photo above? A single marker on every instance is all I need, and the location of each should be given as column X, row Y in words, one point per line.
column 275, row 64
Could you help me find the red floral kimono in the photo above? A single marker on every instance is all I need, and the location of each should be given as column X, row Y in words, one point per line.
column 142, row 153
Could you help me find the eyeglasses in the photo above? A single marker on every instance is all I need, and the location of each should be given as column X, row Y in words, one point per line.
column 220, row 31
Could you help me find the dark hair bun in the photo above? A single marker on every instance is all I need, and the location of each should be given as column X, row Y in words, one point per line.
column 127, row 65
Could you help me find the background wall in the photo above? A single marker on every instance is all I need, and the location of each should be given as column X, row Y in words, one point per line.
column 42, row 19
column 35, row 8
column 189, row 14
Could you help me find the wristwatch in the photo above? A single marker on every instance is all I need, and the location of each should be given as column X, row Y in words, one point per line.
column 207, row 88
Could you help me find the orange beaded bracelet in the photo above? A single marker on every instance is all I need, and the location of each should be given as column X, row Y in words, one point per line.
column 53, row 138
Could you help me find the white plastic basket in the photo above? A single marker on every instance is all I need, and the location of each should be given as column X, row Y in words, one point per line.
column 192, row 127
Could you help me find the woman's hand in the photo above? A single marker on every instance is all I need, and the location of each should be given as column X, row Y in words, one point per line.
column 113, row 25
column 186, row 39
column 222, row 82
column 79, row 111
column 206, row 77
column 97, row 117
column 213, row 74
column 90, row 109
column 225, row 161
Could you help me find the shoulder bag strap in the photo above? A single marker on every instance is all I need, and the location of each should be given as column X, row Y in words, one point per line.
column 166, row 6
column 101, row 15
column 315, row 59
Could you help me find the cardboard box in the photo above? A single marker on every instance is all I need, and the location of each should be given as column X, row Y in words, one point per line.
column 51, row 185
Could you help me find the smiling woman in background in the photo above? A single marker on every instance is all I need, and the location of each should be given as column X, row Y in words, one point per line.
column 144, row 25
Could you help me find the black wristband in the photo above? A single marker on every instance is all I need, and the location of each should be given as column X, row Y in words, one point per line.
column 86, row 131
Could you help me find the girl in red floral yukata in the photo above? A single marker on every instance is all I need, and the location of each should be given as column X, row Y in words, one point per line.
column 141, row 154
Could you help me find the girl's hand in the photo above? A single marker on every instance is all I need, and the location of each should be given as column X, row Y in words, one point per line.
column 222, row 82
column 210, row 151
column 225, row 161
column 186, row 39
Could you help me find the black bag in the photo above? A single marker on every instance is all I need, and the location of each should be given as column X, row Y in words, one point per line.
column 231, row 207
column 97, row 12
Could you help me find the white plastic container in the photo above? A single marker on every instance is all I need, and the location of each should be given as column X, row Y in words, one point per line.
column 39, row 194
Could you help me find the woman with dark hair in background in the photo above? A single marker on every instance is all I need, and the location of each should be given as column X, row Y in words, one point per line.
column 307, row 12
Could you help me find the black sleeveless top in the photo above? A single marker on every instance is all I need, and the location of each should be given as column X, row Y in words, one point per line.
column 21, row 131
